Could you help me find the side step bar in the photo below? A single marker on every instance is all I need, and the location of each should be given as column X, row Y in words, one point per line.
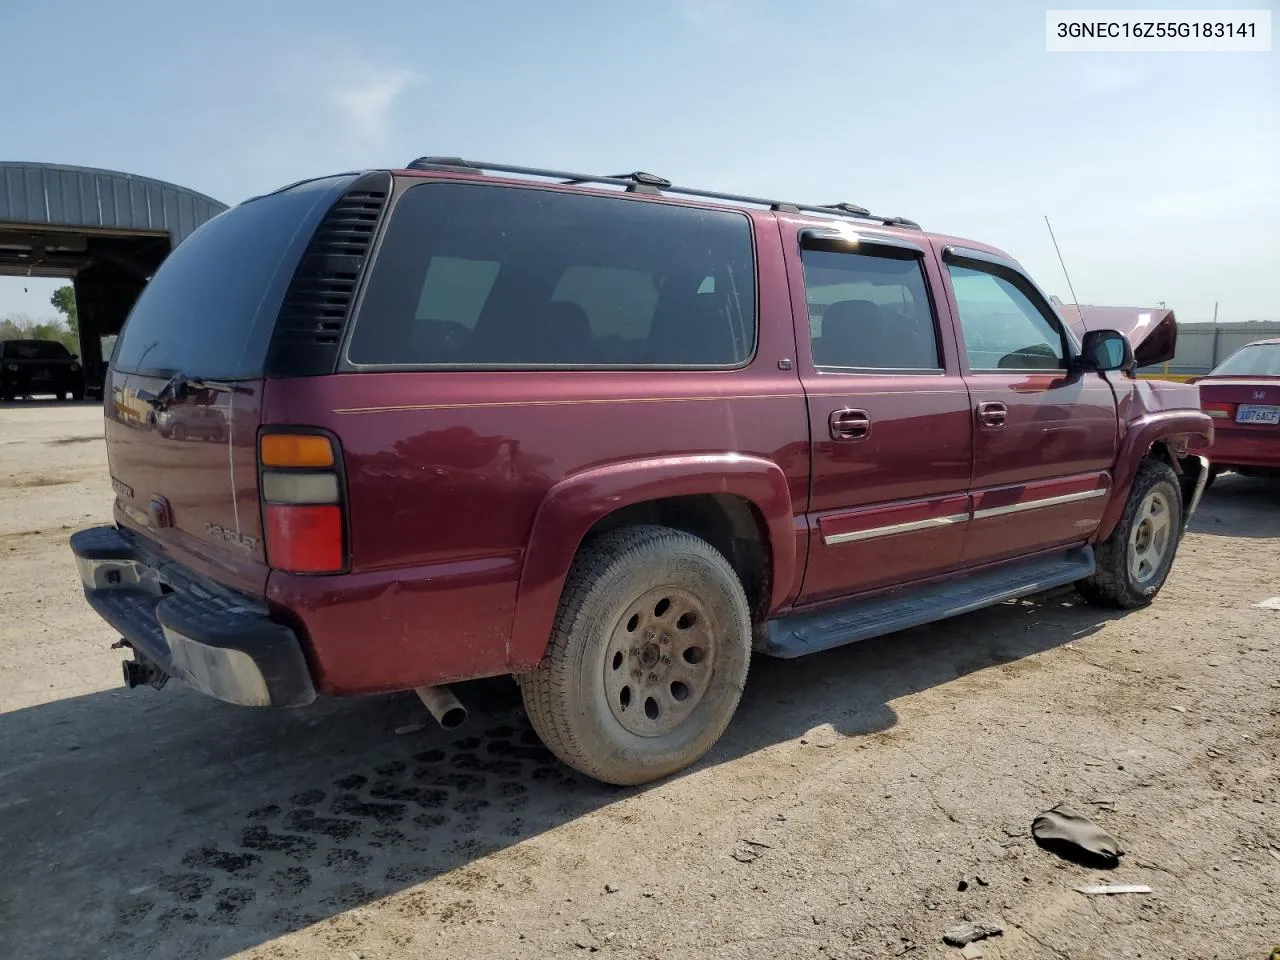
column 812, row 631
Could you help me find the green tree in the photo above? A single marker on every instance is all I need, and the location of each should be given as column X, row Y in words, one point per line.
column 64, row 301
column 22, row 327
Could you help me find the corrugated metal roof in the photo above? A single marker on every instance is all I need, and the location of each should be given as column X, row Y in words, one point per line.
column 52, row 194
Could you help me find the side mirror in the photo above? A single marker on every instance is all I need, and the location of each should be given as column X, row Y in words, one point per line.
column 1105, row 350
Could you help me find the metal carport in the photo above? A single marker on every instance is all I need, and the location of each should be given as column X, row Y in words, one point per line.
column 106, row 231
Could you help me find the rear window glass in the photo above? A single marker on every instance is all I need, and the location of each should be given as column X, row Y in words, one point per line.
column 35, row 350
column 211, row 307
column 473, row 275
column 1256, row 360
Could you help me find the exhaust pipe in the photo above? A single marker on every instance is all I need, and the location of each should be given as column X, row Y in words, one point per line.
column 141, row 672
column 443, row 705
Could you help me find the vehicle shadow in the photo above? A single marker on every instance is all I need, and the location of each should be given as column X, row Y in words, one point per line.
column 167, row 824
column 1239, row 506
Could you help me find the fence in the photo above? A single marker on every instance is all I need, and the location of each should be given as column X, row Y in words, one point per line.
column 1202, row 346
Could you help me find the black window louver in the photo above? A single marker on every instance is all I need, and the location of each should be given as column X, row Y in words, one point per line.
column 314, row 313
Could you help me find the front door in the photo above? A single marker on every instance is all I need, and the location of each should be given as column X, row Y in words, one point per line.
column 888, row 415
column 1045, row 431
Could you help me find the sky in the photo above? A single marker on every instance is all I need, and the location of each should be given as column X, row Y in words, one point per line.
column 1159, row 172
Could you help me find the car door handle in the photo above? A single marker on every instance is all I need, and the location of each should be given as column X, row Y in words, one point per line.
column 993, row 415
column 847, row 424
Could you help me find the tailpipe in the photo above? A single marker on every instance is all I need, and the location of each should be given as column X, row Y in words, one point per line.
column 443, row 705
column 142, row 672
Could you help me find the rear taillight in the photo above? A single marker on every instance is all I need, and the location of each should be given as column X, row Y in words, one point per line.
column 1219, row 411
column 302, row 502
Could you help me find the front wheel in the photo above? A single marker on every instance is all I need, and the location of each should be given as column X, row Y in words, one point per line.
column 1133, row 563
column 647, row 659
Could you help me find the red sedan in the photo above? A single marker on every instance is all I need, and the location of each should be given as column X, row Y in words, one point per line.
column 1242, row 394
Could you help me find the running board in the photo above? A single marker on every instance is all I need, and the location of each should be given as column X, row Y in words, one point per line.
column 812, row 631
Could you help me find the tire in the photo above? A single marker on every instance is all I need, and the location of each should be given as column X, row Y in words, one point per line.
column 648, row 656
column 1123, row 578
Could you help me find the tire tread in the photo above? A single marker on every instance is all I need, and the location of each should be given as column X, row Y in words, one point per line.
column 1109, row 585
column 548, row 692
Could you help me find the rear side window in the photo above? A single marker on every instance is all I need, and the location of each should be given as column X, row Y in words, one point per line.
column 869, row 312
column 211, row 307
column 470, row 275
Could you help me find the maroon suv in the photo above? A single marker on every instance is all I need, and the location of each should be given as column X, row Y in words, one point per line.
column 607, row 436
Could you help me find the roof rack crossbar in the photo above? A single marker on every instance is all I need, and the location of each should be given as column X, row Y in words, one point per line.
column 642, row 182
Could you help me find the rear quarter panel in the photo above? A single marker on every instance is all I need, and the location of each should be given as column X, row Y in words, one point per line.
column 448, row 470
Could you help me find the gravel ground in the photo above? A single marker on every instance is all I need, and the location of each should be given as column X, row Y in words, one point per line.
column 862, row 802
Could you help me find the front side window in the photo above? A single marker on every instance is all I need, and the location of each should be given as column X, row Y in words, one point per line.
column 1002, row 327
column 470, row 275
column 869, row 312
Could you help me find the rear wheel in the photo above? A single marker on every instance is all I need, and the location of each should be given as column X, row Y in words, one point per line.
column 1133, row 563
column 648, row 657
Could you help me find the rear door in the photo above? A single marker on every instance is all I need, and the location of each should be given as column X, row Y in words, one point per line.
column 183, row 457
column 888, row 413
column 1045, row 435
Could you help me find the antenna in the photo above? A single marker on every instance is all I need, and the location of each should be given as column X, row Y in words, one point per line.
column 1064, row 265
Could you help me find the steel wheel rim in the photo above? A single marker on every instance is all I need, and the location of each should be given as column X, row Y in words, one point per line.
column 1150, row 539
column 659, row 661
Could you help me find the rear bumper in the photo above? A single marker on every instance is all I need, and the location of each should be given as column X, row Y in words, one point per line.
column 215, row 641
column 24, row 383
column 1245, row 448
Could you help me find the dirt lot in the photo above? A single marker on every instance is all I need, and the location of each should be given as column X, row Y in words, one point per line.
column 853, row 796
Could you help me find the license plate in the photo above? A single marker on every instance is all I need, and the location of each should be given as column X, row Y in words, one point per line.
column 1257, row 413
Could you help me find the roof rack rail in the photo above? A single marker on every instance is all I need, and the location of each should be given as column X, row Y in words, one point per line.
column 650, row 183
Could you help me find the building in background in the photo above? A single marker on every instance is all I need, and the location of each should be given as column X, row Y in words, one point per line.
column 107, row 232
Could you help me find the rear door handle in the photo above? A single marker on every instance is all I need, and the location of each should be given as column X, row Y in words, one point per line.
column 848, row 424
column 993, row 415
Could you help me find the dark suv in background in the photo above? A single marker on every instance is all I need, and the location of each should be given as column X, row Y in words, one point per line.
column 33, row 367
column 610, row 437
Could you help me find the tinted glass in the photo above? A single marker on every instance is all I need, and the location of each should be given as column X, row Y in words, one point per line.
column 211, row 307
column 1002, row 328
column 36, row 350
column 869, row 312
column 474, row 275
column 1255, row 360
